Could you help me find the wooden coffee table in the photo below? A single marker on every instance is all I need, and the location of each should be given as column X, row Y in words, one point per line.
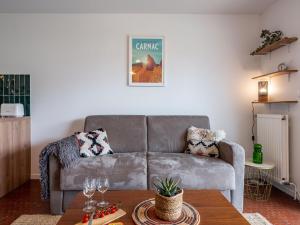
column 213, row 207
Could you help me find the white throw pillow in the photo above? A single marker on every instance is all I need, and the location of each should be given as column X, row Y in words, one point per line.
column 203, row 141
column 93, row 143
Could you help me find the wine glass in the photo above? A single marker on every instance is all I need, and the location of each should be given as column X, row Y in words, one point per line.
column 89, row 188
column 91, row 184
column 102, row 187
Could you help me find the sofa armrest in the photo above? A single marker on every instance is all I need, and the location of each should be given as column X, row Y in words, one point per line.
column 56, row 194
column 234, row 154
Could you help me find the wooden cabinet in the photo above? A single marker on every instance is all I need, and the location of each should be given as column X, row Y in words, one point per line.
column 15, row 147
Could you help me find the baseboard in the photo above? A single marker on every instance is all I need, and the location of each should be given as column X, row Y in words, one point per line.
column 35, row 176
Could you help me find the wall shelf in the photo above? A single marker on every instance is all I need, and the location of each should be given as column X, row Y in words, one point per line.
column 276, row 73
column 278, row 44
column 276, row 102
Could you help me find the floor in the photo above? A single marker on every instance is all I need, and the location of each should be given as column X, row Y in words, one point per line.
column 24, row 200
column 281, row 209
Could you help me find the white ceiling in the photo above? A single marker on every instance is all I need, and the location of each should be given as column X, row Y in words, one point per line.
column 135, row 6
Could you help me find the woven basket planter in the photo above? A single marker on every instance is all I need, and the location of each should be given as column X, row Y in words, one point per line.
column 168, row 208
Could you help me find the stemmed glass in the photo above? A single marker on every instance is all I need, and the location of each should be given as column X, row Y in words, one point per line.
column 89, row 188
column 102, row 187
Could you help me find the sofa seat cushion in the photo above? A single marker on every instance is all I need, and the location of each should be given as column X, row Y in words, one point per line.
column 124, row 170
column 196, row 172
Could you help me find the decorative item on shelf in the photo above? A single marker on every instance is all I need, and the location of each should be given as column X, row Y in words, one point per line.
column 15, row 89
column 257, row 154
column 268, row 38
column 282, row 67
column 168, row 199
column 263, row 91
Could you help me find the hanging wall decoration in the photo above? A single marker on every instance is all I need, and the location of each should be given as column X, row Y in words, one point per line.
column 146, row 61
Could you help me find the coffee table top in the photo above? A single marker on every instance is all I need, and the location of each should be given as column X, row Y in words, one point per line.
column 213, row 207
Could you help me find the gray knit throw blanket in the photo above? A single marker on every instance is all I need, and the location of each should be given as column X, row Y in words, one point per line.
column 67, row 153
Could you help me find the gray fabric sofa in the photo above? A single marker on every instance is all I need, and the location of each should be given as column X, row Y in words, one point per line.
column 149, row 146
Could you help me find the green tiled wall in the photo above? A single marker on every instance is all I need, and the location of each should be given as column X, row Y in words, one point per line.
column 15, row 89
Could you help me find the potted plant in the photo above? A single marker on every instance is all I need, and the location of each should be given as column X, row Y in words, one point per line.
column 168, row 199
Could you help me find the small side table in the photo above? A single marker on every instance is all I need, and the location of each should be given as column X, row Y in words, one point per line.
column 258, row 180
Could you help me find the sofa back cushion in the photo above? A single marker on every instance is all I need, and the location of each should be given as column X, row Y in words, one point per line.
column 168, row 133
column 125, row 133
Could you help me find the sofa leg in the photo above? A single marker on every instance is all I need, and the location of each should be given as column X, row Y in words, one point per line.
column 56, row 206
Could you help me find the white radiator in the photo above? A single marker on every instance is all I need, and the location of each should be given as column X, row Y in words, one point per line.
column 273, row 135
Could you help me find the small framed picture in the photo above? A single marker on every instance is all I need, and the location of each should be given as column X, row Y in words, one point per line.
column 146, row 61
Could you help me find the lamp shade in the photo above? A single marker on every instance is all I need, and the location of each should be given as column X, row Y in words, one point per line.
column 263, row 91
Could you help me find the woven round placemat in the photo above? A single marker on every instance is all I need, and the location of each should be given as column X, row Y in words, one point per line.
column 144, row 213
column 37, row 219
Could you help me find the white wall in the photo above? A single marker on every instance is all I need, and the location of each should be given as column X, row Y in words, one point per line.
column 284, row 15
column 78, row 65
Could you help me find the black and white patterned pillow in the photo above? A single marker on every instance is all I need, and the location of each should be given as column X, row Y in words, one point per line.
column 93, row 143
column 204, row 142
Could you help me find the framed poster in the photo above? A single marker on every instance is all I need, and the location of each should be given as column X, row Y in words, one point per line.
column 146, row 61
